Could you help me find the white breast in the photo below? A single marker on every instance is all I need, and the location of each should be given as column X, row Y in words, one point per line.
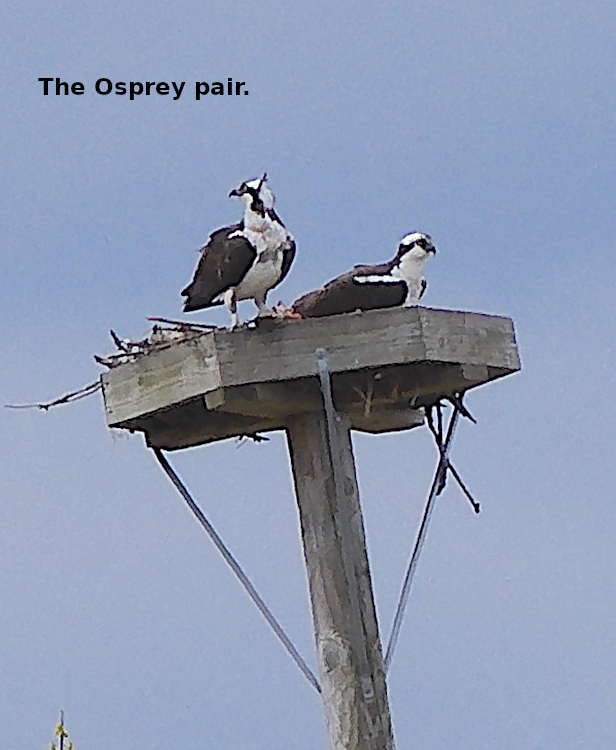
column 265, row 234
column 270, row 239
column 264, row 274
column 410, row 269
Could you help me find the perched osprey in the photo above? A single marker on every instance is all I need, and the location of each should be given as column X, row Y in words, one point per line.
column 245, row 260
column 398, row 282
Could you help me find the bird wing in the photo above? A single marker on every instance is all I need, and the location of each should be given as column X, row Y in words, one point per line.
column 344, row 294
column 224, row 262
column 287, row 259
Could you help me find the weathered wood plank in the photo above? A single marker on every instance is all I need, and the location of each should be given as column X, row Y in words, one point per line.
column 352, row 341
column 161, row 379
column 419, row 354
column 387, row 419
column 469, row 338
column 371, row 339
column 269, row 400
column 199, row 427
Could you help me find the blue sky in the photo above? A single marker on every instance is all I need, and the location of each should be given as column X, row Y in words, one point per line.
column 490, row 125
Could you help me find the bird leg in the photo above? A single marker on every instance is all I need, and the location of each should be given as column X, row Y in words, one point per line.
column 264, row 310
column 231, row 305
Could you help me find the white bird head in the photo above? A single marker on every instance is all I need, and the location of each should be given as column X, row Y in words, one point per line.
column 255, row 194
column 416, row 245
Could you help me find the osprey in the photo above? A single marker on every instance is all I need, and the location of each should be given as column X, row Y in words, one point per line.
column 245, row 260
column 398, row 282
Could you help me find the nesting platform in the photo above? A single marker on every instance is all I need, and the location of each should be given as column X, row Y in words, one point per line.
column 385, row 365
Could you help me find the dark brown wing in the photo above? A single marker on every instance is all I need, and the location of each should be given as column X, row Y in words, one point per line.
column 224, row 262
column 345, row 295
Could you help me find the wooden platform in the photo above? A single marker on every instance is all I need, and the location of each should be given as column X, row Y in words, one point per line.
column 385, row 364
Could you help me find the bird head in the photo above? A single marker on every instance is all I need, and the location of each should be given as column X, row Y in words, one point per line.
column 255, row 194
column 416, row 244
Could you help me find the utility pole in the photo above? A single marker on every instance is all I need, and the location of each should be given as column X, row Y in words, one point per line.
column 372, row 372
column 346, row 631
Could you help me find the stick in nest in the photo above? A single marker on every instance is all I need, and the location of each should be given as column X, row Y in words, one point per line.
column 87, row 390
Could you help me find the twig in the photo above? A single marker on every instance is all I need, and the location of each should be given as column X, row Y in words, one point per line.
column 456, row 476
column 254, row 436
column 368, row 401
column 447, row 465
column 183, row 323
column 365, row 397
column 87, row 390
column 118, row 341
column 456, row 400
column 439, row 411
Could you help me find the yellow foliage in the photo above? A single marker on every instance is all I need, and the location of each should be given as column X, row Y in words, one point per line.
column 62, row 734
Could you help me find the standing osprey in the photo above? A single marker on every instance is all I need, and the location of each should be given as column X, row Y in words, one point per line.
column 245, row 260
column 398, row 282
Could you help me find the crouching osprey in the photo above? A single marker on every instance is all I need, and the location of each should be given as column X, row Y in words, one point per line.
column 245, row 260
column 397, row 283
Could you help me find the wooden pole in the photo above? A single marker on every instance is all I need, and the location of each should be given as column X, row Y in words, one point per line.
column 346, row 630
